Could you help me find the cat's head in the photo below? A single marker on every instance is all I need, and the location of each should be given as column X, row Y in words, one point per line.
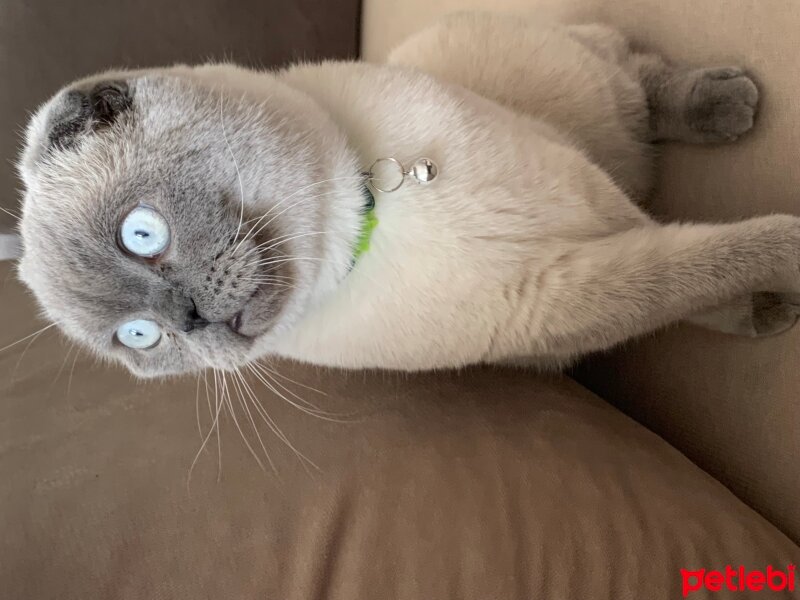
column 175, row 219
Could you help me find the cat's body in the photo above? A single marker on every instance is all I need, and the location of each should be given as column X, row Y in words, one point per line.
column 512, row 196
column 526, row 247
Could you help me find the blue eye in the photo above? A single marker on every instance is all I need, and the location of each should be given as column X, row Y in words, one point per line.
column 144, row 232
column 139, row 334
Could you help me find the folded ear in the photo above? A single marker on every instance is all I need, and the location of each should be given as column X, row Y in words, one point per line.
column 78, row 112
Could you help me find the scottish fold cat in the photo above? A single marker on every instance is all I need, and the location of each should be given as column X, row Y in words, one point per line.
column 189, row 217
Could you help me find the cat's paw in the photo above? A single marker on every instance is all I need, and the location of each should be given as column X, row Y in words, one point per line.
column 774, row 312
column 722, row 104
column 757, row 314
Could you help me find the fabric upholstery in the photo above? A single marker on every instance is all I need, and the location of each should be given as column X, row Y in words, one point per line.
column 481, row 484
column 730, row 404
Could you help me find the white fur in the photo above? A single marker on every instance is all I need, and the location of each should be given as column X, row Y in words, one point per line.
column 432, row 290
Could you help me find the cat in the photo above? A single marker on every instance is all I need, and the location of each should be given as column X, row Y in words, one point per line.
column 189, row 217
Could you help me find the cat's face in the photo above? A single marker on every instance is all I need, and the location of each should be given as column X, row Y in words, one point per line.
column 172, row 219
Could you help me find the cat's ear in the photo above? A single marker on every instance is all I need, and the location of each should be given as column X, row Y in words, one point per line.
column 78, row 112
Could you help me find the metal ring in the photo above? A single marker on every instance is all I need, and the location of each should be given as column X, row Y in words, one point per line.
column 400, row 169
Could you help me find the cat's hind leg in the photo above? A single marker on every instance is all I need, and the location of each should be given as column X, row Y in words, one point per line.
column 590, row 84
column 706, row 105
column 709, row 105
column 567, row 77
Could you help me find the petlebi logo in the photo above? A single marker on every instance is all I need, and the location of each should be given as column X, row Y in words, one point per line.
column 733, row 579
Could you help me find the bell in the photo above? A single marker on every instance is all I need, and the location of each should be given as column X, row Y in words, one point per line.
column 424, row 170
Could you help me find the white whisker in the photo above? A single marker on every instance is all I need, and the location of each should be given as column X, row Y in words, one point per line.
column 11, row 214
column 235, row 164
column 282, row 376
column 243, row 400
column 279, row 241
column 273, row 284
column 277, row 430
column 279, row 261
column 270, row 278
column 27, row 337
column 63, row 364
column 72, row 371
column 265, row 225
column 219, row 406
column 289, row 197
column 208, row 397
column 266, row 371
column 314, row 412
column 197, row 405
column 252, row 234
column 282, row 239
column 21, row 356
column 214, row 425
column 227, row 394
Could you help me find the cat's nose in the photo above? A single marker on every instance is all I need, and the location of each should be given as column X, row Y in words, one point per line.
column 193, row 320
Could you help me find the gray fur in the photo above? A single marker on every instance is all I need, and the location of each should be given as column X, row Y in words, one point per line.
column 700, row 105
column 93, row 156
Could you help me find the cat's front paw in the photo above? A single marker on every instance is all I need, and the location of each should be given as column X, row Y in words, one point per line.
column 722, row 104
column 774, row 312
column 757, row 314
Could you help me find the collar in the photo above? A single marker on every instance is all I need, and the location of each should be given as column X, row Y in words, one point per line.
column 424, row 170
column 368, row 223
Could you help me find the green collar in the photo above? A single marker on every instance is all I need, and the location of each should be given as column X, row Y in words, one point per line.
column 367, row 226
column 424, row 170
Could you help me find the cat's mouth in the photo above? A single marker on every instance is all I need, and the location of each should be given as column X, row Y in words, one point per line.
column 235, row 322
column 259, row 312
column 246, row 322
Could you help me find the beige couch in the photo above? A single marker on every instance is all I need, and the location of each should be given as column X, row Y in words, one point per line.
column 483, row 484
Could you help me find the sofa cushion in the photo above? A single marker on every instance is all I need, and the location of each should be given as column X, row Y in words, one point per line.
column 730, row 404
column 472, row 485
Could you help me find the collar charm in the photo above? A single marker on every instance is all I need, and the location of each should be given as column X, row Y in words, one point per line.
column 387, row 175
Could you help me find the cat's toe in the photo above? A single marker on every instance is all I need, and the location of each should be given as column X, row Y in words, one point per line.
column 774, row 312
column 722, row 104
